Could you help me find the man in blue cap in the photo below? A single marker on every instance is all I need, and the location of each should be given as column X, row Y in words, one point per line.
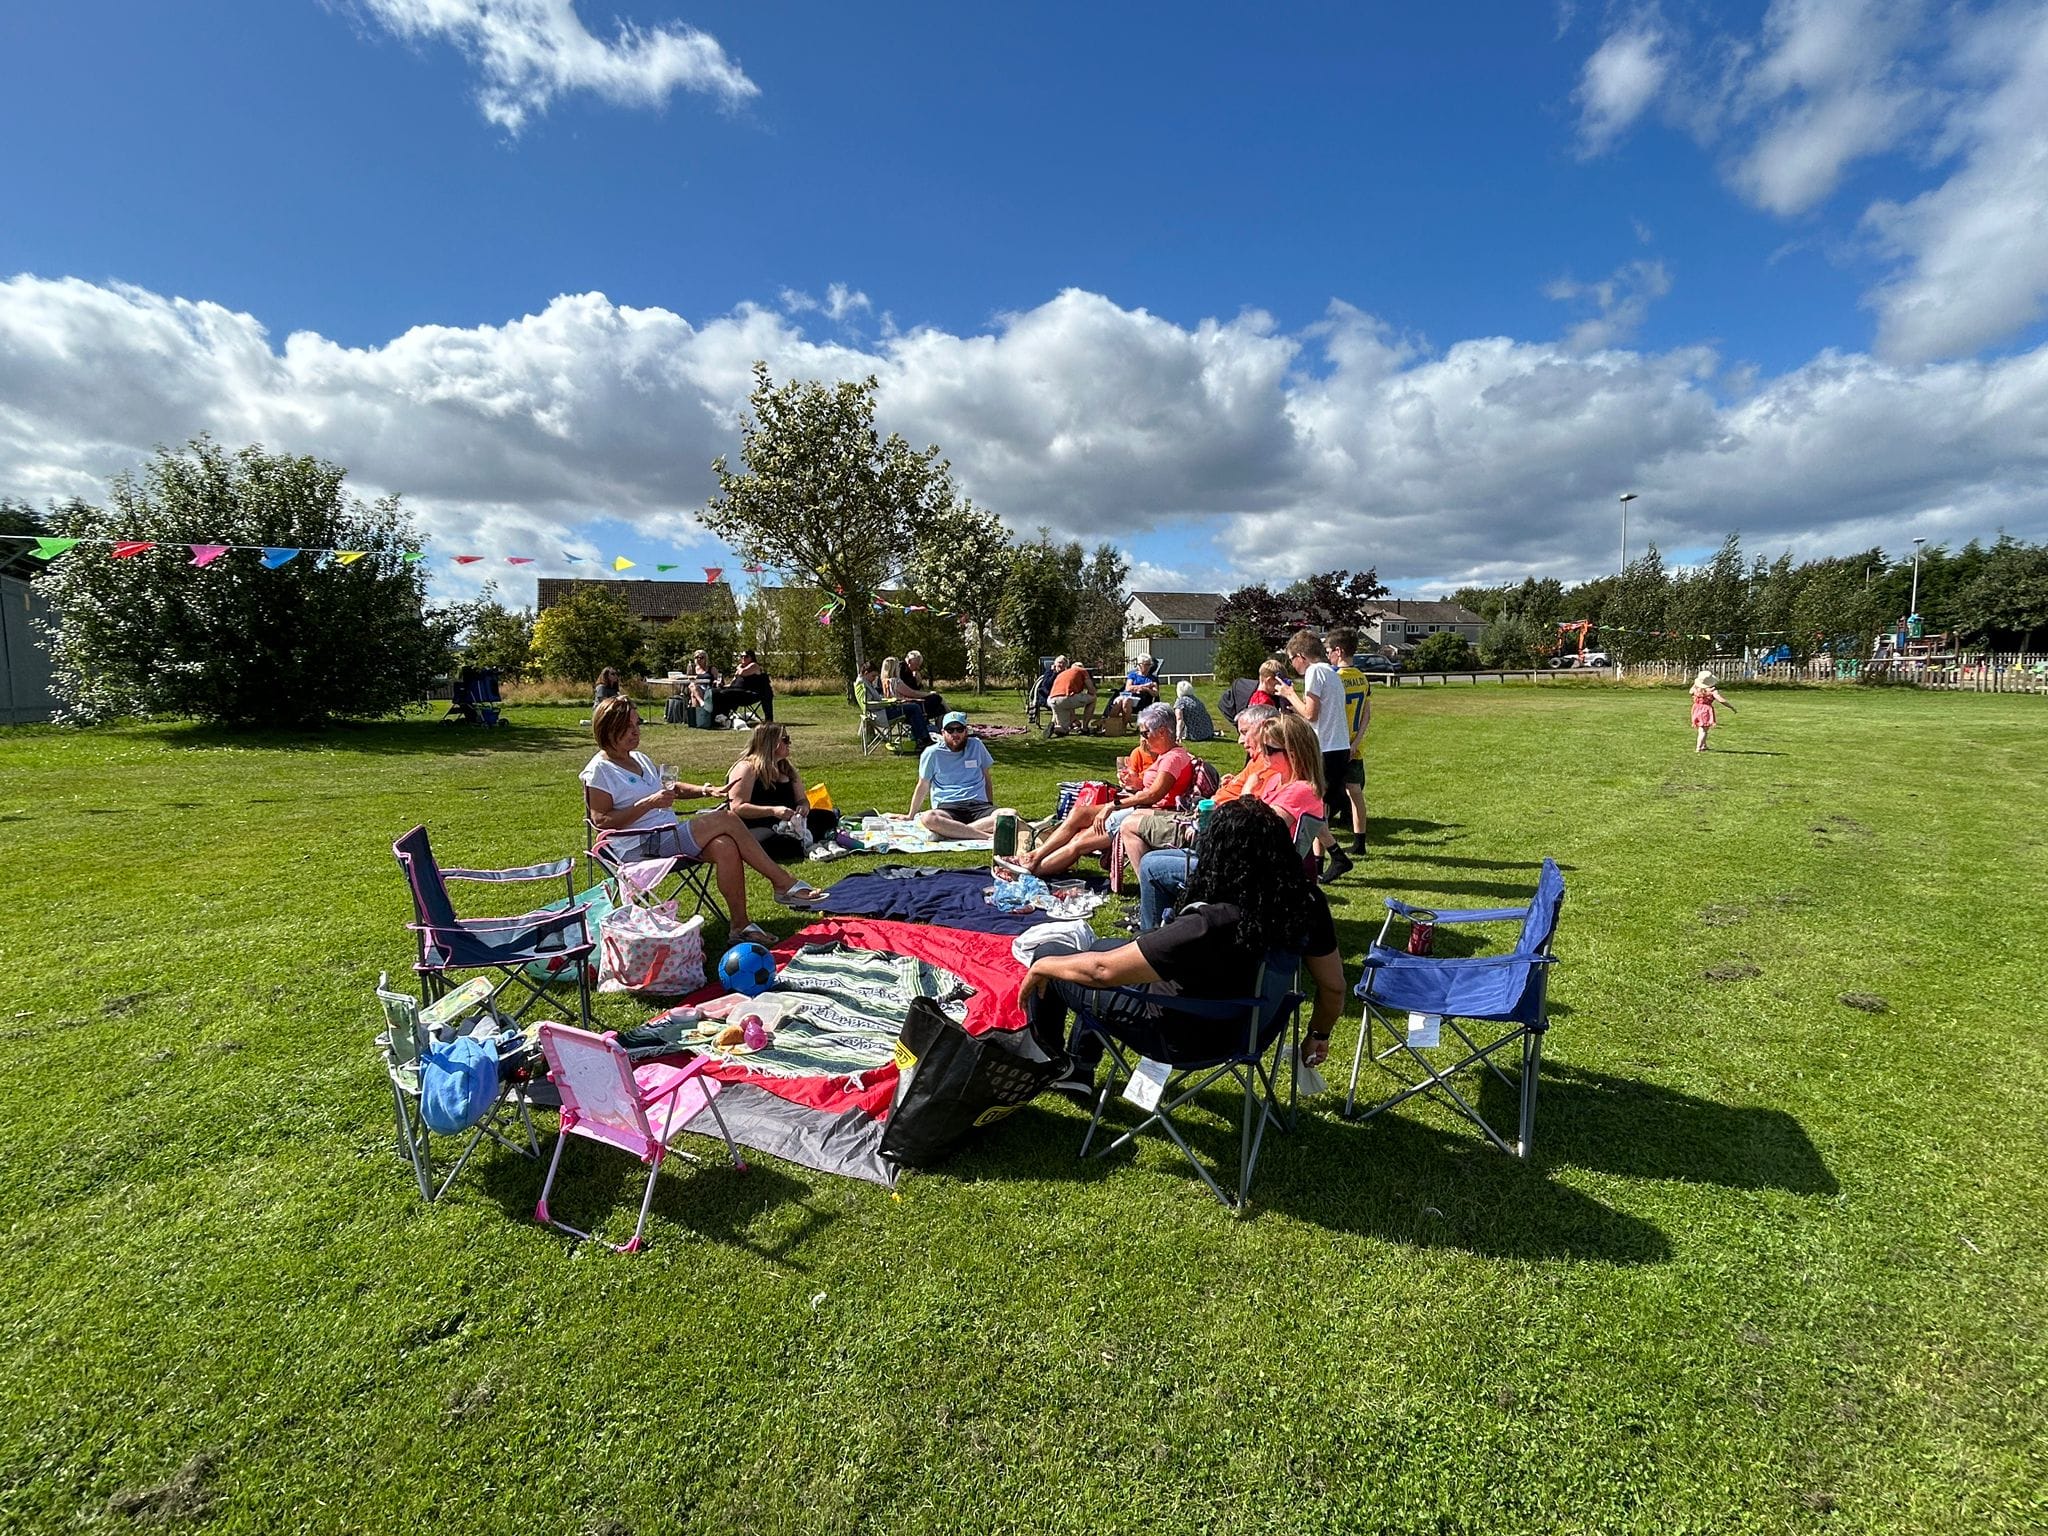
column 958, row 776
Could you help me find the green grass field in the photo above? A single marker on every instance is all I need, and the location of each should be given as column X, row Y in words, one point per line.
column 1776, row 1264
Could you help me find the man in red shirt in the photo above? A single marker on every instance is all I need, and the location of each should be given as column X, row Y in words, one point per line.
column 1072, row 695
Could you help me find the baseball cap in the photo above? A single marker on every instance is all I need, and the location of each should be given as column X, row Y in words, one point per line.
column 954, row 717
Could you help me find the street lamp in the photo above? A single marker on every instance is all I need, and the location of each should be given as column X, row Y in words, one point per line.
column 1914, row 606
column 1626, row 498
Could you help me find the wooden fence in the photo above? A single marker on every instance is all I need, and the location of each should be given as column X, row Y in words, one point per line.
column 2021, row 672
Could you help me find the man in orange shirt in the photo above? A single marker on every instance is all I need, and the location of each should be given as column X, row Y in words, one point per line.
column 1072, row 694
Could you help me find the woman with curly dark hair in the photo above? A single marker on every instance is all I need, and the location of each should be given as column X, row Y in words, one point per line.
column 1250, row 898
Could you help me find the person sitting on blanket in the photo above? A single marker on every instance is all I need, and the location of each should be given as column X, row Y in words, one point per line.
column 765, row 790
column 958, row 776
column 1251, row 897
column 1159, row 773
column 1191, row 720
column 903, row 697
column 1288, row 777
column 630, row 804
column 1174, row 829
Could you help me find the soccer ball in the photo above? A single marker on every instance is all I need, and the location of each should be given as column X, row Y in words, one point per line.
column 747, row 969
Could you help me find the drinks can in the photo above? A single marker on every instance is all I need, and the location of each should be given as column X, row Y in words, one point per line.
column 1006, row 832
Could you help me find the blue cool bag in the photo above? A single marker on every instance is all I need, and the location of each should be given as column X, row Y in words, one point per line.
column 458, row 1083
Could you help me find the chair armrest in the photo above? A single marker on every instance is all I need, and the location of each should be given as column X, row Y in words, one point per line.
column 553, row 870
column 542, row 924
column 1460, row 915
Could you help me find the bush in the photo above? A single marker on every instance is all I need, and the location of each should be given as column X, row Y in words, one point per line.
column 1444, row 651
column 585, row 633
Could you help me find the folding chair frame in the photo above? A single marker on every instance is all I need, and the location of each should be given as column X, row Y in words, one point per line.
column 880, row 730
column 659, row 1104
column 1418, row 1074
column 1254, row 1070
column 699, row 877
column 403, row 1043
column 543, row 926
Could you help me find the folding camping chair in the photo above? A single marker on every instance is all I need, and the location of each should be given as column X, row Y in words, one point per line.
column 558, row 943
column 880, row 729
column 405, row 1039
column 636, row 1109
column 698, row 877
column 1505, row 990
column 1038, row 712
column 1203, row 1042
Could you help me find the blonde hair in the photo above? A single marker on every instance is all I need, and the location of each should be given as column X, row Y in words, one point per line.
column 761, row 745
column 1706, row 682
column 1304, row 751
column 892, row 669
column 612, row 718
column 1270, row 667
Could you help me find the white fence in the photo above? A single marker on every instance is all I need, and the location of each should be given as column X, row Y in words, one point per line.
column 2020, row 672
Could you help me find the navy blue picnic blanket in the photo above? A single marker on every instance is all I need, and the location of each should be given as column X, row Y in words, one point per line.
column 944, row 898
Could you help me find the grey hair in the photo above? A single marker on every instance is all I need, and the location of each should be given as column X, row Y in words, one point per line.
column 1155, row 717
column 1182, row 690
column 1255, row 714
column 1059, row 663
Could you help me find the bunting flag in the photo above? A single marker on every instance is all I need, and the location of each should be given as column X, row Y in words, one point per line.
column 572, row 559
column 467, row 559
column 273, row 558
column 713, row 572
column 753, row 570
column 622, row 564
column 519, row 559
column 206, row 554
column 127, row 548
column 348, row 556
column 50, row 549
column 412, row 557
column 667, row 567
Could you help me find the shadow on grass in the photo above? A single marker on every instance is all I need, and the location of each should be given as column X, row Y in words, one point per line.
column 386, row 738
column 600, row 1190
column 1641, row 1130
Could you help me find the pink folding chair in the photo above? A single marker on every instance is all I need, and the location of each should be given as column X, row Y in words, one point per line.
column 636, row 1109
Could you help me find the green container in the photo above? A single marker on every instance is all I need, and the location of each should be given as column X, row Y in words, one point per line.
column 1006, row 834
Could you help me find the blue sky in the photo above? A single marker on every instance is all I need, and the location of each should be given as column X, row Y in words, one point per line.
column 1250, row 294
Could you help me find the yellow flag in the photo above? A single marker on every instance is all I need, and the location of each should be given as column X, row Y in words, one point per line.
column 348, row 556
column 622, row 564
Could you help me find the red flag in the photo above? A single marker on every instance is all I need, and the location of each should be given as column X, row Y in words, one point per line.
column 126, row 547
column 467, row 559
column 519, row 559
column 753, row 570
column 713, row 572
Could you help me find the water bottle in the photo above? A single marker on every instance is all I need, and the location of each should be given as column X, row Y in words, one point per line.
column 1203, row 811
column 1006, row 833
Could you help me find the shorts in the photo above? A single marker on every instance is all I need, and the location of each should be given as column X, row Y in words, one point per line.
column 1160, row 829
column 1113, row 823
column 676, row 842
column 966, row 810
column 1336, row 766
column 1355, row 772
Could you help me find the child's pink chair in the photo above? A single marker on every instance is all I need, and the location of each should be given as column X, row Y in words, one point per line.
column 636, row 1109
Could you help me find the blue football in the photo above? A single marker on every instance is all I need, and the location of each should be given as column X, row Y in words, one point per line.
column 747, row 968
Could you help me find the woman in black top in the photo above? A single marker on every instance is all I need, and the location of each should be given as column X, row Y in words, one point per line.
column 607, row 686
column 1250, row 897
column 767, row 793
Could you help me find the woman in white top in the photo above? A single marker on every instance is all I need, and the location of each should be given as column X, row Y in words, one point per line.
column 628, row 800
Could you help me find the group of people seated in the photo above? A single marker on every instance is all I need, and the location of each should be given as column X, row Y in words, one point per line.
column 898, row 690
column 705, row 687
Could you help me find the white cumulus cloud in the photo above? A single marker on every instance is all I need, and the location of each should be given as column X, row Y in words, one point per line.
column 1621, row 303
column 1619, row 81
column 531, row 51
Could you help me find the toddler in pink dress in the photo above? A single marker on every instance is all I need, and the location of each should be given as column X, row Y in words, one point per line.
column 1706, row 693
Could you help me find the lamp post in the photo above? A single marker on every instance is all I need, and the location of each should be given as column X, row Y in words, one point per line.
column 1913, row 607
column 1626, row 498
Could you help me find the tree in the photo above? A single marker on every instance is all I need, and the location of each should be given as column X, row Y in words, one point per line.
column 713, row 629
column 825, row 498
column 1332, row 600
column 1444, row 651
column 236, row 642
column 2006, row 602
column 1258, row 607
column 494, row 636
column 1632, row 624
column 959, row 564
column 781, row 624
column 1239, row 651
column 586, row 632
column 1098, row 633
column 1039, row 599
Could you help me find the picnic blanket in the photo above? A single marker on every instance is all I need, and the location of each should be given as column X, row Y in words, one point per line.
column 902, row 834
column 836, row 1010
column 944, row 898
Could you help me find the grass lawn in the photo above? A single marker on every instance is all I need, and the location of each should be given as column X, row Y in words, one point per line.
column 1776, row 1264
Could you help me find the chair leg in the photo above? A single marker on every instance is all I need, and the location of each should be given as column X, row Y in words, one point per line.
column 1532, row 1057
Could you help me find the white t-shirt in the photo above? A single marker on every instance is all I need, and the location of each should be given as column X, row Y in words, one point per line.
column 624, row 788
column 1333, row 727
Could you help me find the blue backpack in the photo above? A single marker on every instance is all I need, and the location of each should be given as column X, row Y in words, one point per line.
column 458, row 1083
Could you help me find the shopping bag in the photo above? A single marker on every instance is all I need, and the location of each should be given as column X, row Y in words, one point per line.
column 953, row 1083
column 821, row 798
column 646, row 949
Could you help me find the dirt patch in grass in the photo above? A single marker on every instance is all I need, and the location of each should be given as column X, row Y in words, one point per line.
column 185, row 1497
column 1865, row 1002
column 1723, row 917
column 128, row 1002
column 1732, row 970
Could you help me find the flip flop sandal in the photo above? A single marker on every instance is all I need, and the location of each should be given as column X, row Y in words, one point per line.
column 801, row 894
column 754, row 933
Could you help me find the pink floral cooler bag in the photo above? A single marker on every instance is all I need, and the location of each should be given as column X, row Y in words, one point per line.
column 646, row 949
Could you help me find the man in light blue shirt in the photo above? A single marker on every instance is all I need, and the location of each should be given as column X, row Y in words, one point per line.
column 958, row 776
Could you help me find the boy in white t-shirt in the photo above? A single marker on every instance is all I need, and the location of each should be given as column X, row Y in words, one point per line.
column 1342, row 645
column 1320, row 701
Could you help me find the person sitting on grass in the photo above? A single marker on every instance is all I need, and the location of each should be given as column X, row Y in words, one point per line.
column 765, row 790
column 1288, row 778
column 958, row 776
column 1158, row 774
column 1191, row 720
column 1250, row 899
column 627, row 799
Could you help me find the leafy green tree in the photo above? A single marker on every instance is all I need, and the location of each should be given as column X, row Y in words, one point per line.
column 2006, row 602
column 1510, row 641
column 1332, row 599
column 960, row 564
column 235, row 642
column 1155, row 632
column 781, row 623
column 580, row 636
column 713, row 629
column 495, row 636
column 1098, row 633
column 1837, row 606
column 1256, row 606
column 825, row 498
column 1036, row 615
column 1239, row 650
column 1633, row 623
column 1444, row 651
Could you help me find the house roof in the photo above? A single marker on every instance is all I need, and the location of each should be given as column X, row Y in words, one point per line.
column 1181, row 607
column 1428, row 613
column 643, row 599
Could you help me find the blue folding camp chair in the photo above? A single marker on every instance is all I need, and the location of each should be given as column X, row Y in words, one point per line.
column 558, row 943
column 1505, row 990
column 1202, row 1042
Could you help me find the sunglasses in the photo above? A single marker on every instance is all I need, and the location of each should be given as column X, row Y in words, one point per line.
column 955, row 730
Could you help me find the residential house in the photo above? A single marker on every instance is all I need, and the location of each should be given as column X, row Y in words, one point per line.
column 653, row 603
column 1192, row 614
column 1406, row 623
